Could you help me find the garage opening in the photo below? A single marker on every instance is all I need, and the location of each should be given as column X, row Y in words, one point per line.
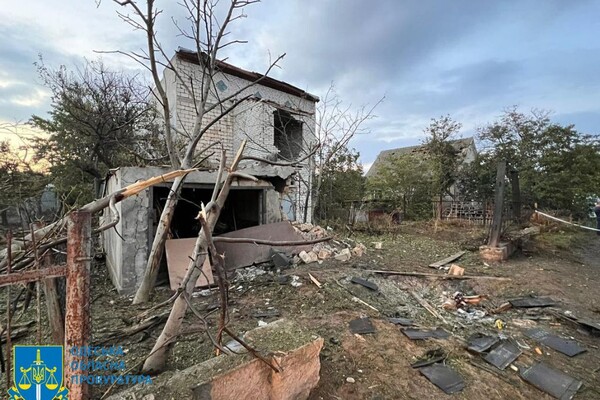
column 244, row 208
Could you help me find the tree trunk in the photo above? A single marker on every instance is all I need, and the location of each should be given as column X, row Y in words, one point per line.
column 156, row 252
column 158, row 356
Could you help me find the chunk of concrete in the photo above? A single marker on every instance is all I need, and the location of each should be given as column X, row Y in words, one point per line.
column 344, row 255
column 242, row 376
column 324, row 254
column 308, row 257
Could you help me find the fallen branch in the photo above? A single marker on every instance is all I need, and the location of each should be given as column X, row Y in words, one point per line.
column 438, row 276
column 132, row 330
column 270, row 242
column 427, row 306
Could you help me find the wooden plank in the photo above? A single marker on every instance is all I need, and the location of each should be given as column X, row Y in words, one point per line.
column 437, row 276
column 447, row 260
column 33, row 275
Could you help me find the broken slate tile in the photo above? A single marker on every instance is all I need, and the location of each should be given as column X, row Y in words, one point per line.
column 530, row 302
column 430, row 357
column 443, row 377
column 552, row 381
column 401, row 321
column 569, row 347
column 480, row 343
column 280, row 260
column 365, row 283
column 362, row 326
column 421, row 334
column 503, row 355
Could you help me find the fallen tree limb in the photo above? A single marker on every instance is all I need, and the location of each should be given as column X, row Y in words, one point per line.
column 438, row 276
column 270, row 242
column 427, row 306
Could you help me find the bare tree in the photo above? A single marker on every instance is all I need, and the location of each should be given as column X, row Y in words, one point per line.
column 336, row 125
column 209, row 33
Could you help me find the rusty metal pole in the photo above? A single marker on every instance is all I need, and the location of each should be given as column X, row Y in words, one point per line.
column 8, row 312
column 77, row 318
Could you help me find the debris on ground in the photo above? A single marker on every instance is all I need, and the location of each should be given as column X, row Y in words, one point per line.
column 421, row 334
column 531, row 302
column 447, row 260
column 504, row 354
column 443, row 377
column 362, row 326
column 569, row 347
column 456, row 270
column 552, row 381
column 365, row 283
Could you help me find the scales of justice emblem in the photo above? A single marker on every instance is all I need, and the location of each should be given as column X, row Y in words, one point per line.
column 37, row 378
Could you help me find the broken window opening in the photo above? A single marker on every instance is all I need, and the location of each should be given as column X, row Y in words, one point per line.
column 287, row 136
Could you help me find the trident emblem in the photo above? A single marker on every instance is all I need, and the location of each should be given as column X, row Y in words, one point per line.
column 36, row 378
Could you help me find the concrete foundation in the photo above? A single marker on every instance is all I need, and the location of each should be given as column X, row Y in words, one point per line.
column 227, row 377
column 497, row 254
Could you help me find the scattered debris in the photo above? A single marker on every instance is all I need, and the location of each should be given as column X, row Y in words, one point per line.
column 443, row 377
column 401, row 321
column 430, row 357
column 280, row 259
column 530, row 302
column 552, row 381
column 447, row 260
column 308, row 257
column 456, row 270
column 262, row 323
column 538, row 351
column 377, row 245
column 295, row 281
column 350, row 379
column 422, row 334
column 344, row 255
column 427, row 306
column 503, row 355
column 365, row 283
column 499, row 324
column 480, row 343
column 266, row 314
column 523, row 323
column 359, row 250
column 502, row 308
column 569, row 347
column 315, row 281
column 438, row 276
column 362, row 326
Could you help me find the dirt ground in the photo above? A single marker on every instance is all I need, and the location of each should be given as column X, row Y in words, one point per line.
column 564, row 265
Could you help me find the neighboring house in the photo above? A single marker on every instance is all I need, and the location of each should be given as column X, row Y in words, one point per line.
column 277, row 121
column 376, row 207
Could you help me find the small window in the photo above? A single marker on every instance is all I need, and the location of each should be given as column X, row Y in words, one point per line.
column 221, row 86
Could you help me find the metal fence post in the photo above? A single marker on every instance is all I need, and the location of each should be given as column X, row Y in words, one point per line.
column 77, row 318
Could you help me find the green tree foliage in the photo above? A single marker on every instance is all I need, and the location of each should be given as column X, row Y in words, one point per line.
column 18, row 180
column 441, row 154
column 342, row 182
column 558, row 167
column 100, row 119
column 404, row 183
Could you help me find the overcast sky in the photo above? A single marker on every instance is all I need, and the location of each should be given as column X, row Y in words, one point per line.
column 470, row 59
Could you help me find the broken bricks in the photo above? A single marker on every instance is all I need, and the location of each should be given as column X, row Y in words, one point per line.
column 308, row 257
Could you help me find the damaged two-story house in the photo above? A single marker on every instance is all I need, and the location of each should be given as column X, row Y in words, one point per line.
column 277, row 121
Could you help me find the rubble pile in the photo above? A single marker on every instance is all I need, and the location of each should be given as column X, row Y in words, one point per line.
column 338, row 250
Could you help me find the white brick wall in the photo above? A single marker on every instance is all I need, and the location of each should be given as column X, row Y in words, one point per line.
column 252, row 120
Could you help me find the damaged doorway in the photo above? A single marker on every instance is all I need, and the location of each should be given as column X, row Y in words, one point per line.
column 287, row 135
